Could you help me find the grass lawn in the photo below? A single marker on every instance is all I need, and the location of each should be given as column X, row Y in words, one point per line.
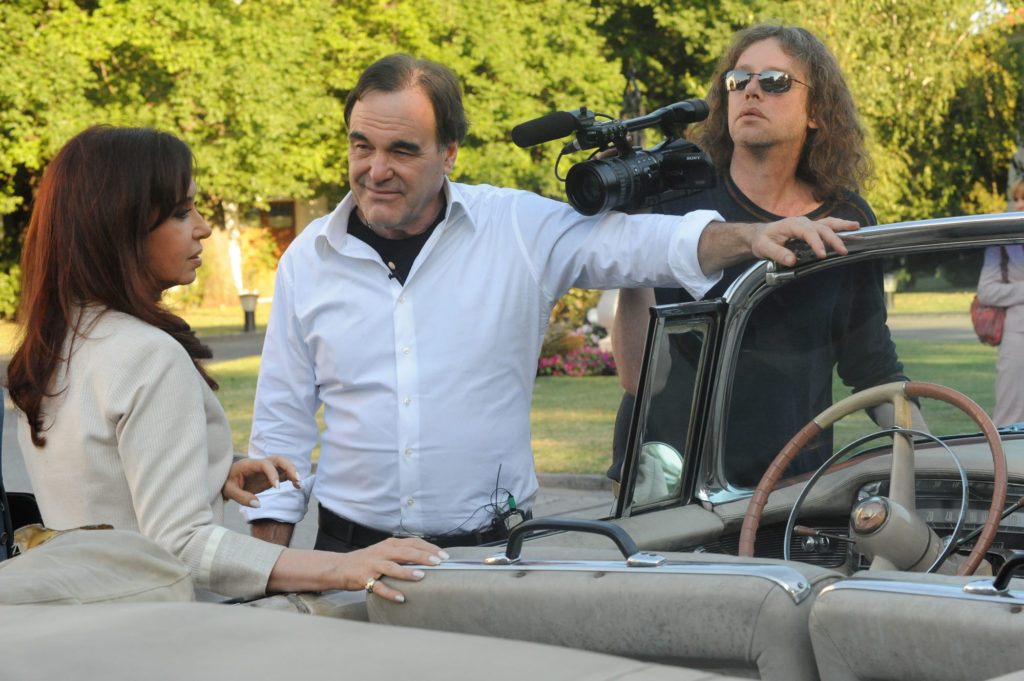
column 8, row 337
column 967, row 367
column 222, row 321
column 219, row 321
column 237, row 380
column 932, row 302
column 572, row 418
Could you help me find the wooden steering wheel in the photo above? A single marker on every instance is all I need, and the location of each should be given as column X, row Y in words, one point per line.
column 901, row 476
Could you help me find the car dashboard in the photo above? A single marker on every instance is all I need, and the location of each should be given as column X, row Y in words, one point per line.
column 938, row 503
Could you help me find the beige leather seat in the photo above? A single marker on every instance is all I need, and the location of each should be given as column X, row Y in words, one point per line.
column 722, row 613
column 203, row 641
column 905, row 627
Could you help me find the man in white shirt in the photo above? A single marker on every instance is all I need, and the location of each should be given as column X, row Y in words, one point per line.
column 414, row 315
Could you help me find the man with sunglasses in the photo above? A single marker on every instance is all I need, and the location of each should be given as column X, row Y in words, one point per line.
column 783, row 133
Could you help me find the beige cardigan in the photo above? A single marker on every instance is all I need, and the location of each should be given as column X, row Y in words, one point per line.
column 136, row 439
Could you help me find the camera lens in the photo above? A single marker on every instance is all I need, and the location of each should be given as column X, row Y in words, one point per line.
column 585, row 189
column 596, row 186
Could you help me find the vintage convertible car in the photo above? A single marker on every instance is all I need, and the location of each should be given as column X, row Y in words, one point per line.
column 840, row 552
column 878, row 566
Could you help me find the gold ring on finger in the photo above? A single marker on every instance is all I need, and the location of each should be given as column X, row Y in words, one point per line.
column 370, row 584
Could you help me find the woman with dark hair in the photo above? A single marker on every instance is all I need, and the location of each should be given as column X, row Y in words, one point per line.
column 119, row 422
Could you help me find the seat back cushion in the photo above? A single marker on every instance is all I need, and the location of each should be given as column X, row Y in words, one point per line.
column 915, row 627
column 717, row 612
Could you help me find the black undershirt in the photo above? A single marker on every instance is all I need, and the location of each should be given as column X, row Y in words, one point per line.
column 397, row 254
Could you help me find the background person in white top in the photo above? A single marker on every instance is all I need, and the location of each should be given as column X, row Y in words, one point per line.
column 992, row 290
column 414, row 314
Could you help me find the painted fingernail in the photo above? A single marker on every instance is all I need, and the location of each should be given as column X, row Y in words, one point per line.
column 277, row 484
column 255, row 503
column 418, row 574
column 435, row 560
column 444, row 555
column 400, row 598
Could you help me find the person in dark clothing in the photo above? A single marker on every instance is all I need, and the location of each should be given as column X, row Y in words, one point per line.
column 784, row 136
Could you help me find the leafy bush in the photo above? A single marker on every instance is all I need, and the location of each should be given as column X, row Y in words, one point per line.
column 10, row 292
column 561, row 337
column 584, row 361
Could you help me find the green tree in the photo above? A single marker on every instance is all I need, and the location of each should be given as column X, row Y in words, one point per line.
column 241, row 82
column 674, row 44
column 257, row 88
column 44, row 72
column 546, row 58
column 936, row 85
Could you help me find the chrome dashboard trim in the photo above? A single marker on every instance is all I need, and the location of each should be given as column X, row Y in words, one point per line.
column 968, row 591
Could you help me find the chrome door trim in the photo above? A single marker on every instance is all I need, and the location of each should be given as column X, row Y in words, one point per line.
column 790, row 580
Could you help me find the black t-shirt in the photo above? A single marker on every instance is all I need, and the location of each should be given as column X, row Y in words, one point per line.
column 793, row 340
column 397, row 254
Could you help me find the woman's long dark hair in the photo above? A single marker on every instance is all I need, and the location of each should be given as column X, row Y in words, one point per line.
column 100, row 197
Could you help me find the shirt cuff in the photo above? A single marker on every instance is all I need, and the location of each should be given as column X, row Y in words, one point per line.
column 683, row 253
column 284, row 504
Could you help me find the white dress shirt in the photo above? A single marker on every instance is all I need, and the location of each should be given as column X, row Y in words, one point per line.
column 426, row 387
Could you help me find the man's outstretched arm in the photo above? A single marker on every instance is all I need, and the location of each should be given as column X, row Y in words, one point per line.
column 727, row 243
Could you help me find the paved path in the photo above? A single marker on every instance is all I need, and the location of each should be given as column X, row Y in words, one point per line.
column 954, row 327
column 235, row 346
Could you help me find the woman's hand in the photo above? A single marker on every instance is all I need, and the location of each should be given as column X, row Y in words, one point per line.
column 249, row 477
column 302, row 570
column 389, row 558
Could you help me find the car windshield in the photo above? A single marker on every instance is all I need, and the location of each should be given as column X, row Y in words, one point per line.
column 797, row 339
column 808, row 343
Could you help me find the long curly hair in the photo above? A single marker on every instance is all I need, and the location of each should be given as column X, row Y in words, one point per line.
column 834, row 157
column 99, row 199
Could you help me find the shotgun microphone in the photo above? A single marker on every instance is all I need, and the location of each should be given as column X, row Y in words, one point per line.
column 544, row 129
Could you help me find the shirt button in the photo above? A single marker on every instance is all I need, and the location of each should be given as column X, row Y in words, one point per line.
column 405, row 351
column 401, row 299
column 408, row 452
column 407, row 401
column 409, row 501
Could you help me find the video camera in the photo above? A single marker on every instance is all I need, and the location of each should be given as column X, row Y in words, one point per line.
column 635, row 178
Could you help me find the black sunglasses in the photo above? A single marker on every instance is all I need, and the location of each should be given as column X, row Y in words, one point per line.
column 775, row 82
